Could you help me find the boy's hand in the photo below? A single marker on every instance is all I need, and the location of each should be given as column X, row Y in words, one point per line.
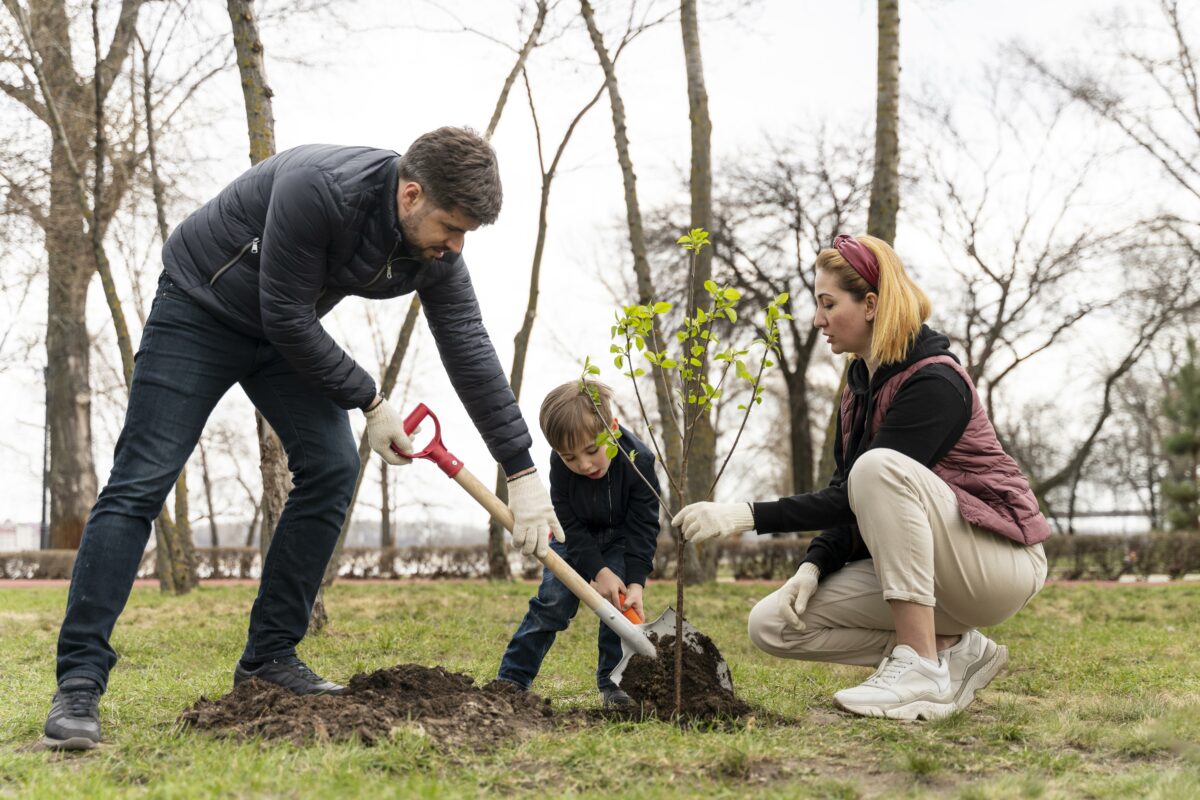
column 609, row 586
column 633, row 599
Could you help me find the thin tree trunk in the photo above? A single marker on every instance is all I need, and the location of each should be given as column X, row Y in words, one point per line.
column 637, row 240
column 173, row 538
column 390, row 374
column 885, row 184
column 702, row 439
column 385, row 507
column 260, row 128
column 214, row 536
column 641, row 266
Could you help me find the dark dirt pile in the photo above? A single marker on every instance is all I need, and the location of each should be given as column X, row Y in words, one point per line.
column 447, row 706
column 651, row 682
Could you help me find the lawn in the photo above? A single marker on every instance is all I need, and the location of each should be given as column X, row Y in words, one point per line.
column 1101, row 699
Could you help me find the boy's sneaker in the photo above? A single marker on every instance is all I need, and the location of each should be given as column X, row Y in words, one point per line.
column 74, row 720
column 904, row 687
column 616, row 698
column 974, row 661
column 290, row 673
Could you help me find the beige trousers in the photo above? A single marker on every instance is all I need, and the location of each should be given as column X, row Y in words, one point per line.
column 923, row 552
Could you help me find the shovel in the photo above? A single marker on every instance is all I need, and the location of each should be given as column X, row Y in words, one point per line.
column 633, row 640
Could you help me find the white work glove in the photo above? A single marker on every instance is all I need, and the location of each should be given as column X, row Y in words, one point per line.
column 533, row 516
column 701, row 521
column 385, row 427
column 795, row 594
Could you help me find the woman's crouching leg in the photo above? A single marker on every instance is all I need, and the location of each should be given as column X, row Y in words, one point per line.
column 847, row 621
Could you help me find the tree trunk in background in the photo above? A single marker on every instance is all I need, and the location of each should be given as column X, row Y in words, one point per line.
column 670, row 434
column 67, row 104
column 214, row 536
column 498, row 569
column 385, row 507
column 260, row 126
column 702, row 452
column 317, row 623
column 175, row 547
column 885, row 184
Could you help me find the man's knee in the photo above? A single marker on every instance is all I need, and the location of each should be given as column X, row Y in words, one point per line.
column 335, row 472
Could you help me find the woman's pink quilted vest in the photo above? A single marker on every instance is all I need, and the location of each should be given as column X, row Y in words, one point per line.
column 991, row 490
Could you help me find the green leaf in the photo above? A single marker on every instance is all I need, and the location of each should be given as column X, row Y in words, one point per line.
column 697, row 349
column 780, row 299
column 611, row 451
column 662, row 307
column 701, row 317
column 593, row 370
column 710, row 286
column 732, row 314
column 669, row 363
column 695, row 362
column 639, row 372
column 619, row 362
column 732, row 294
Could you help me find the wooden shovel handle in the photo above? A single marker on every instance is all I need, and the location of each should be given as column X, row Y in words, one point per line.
column 553, row 561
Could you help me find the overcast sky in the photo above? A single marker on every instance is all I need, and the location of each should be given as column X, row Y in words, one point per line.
column 774, row 70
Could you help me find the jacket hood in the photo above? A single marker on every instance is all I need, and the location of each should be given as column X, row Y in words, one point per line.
column 928, row 343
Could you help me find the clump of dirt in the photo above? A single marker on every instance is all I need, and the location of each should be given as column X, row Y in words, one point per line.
column 446, row 706
column 651, row 681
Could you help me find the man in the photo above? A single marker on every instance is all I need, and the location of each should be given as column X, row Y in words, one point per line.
column 247, row 278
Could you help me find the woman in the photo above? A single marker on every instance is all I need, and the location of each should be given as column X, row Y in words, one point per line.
column 930, row 529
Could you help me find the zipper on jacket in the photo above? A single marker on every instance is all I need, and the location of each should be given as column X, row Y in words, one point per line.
column 251, row 245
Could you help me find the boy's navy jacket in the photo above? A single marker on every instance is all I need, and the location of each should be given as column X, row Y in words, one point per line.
column 595, row 514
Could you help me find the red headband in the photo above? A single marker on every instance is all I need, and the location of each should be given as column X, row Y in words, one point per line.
column 860, row 257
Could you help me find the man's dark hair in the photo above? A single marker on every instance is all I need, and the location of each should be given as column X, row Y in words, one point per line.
column 457, row 168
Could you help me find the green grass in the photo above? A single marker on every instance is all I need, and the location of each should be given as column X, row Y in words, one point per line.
column 1101, row 699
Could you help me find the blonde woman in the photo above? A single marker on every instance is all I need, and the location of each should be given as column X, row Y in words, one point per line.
column 930, row 531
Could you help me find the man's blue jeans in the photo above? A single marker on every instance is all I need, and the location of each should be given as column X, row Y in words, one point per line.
column 551, row 611
column 186, row 361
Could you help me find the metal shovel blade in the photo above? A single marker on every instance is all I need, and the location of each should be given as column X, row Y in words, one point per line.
column 665, row 626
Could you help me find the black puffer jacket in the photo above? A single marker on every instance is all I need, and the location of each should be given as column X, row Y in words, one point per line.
column 618, row 510
column 287, row 240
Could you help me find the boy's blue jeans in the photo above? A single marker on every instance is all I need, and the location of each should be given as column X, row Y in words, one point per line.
column 550, row 612
column 185, row 363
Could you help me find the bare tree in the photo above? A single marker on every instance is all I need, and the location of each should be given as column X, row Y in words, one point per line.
column 260, row 127
column 39, row 72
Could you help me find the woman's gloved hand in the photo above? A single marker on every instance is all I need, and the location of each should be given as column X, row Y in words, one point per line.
column 795, row 594
column 701, row 521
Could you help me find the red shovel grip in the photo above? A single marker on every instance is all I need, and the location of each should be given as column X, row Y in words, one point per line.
column 435, row 451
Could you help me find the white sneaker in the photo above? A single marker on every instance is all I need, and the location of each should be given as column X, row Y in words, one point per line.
column 974, row 661
column 904, row 687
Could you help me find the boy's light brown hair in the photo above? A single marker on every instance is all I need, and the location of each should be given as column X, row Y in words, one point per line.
column 568, row 416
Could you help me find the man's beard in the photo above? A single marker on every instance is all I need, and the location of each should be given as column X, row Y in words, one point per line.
column 408, row 229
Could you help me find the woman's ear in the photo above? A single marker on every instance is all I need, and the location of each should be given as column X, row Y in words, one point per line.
column 872, row 305
column 614, row 425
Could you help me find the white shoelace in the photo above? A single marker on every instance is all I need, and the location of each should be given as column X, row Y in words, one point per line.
column 890, row 671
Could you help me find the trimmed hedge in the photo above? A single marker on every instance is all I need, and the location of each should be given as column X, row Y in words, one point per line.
column 1070, row 558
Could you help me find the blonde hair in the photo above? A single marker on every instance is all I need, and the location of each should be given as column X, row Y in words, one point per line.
column 568, row 416
column 902, row 307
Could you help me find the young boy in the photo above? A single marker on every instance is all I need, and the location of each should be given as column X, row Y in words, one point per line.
column 610, row 518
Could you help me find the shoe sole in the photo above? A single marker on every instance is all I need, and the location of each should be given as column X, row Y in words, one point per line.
column 911, row 712
column 981, row 677
column 73, row 743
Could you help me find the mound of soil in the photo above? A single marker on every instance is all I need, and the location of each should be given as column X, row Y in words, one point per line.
column 651, row 682
column 446, row 706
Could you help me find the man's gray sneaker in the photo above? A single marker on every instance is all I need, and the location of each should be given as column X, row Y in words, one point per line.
column 74, row 720
column 974, row 661
column 616, row 698
column 291, row 673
